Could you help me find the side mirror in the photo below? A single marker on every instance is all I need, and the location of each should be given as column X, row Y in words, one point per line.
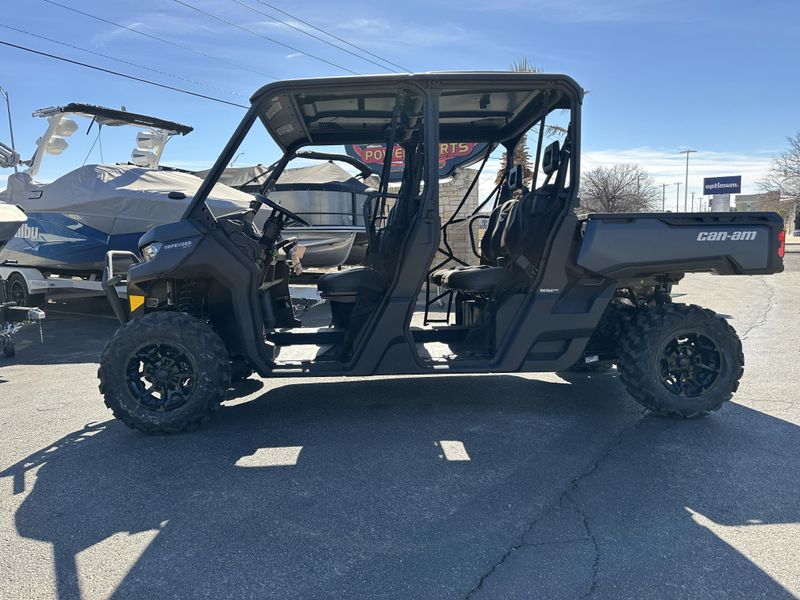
column 551, row 159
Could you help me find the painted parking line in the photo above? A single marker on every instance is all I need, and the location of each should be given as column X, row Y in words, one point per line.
column 281, row 456
column 454, row 450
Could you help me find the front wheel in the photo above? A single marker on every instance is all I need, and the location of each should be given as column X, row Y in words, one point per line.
column 164, row 373
column 680, row 360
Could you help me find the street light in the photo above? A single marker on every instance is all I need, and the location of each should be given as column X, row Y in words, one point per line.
column 678, row 197
column 686, row 186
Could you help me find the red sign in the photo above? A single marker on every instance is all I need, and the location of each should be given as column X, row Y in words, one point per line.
column 451, row 156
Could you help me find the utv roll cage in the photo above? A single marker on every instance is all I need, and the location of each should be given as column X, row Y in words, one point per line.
column 416, row 112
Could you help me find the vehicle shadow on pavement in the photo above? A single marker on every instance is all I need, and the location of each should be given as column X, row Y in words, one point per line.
column 371, row 507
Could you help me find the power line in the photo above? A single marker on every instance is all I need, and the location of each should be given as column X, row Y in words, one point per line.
column 120, row 60
column 160, row 39
column 291, row 16
column 118, row 74
column 316, row 37
column 261, row 35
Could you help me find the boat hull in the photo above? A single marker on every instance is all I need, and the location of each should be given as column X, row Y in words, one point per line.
column 59, row 243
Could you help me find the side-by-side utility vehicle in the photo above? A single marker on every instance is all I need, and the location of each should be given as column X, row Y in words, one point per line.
column 210, row 300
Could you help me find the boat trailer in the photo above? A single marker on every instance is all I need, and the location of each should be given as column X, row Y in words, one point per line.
column 13, row 318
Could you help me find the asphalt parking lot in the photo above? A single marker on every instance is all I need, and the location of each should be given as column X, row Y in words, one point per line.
column 332, row 488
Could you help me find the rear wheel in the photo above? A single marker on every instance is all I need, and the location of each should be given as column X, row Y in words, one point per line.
column 164, row 373
column 17, row 291
column 680, row 360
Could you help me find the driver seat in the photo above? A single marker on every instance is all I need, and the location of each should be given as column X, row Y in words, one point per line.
column 343, row 288
column 363, row 286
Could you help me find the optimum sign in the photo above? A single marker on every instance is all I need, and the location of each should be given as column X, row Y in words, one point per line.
column 722, row 185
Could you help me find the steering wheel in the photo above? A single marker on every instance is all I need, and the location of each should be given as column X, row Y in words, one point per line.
column 282, row 210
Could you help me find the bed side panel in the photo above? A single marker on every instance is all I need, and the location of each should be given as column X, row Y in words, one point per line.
column 633, row 245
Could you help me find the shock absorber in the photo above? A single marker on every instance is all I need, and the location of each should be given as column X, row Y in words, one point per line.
column 188, row 298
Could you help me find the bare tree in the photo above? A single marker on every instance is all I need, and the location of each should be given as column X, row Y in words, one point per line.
column 784, row 175
column 620, row 188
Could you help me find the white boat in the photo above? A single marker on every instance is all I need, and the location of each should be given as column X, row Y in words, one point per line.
column 74, row 220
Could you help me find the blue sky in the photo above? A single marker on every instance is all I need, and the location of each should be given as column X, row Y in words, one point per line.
column 717, row 76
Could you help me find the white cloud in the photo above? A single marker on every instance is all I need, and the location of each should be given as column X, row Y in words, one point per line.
column 573, row 11
column 669, row 167
column 665, row 166
column 154, row 24
column 381, row 32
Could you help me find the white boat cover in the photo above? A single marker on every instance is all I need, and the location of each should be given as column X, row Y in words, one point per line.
column 324, row 173
column 118, row 199
column 239, row 176
column 10, row 219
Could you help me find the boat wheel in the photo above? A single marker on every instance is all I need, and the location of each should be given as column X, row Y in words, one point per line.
column 17, row 292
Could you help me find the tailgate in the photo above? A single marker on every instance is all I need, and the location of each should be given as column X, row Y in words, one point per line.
column 641, row 244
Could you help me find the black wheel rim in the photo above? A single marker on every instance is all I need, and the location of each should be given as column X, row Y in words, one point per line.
column 16, row 292
column 161, row 376
column 689, row 364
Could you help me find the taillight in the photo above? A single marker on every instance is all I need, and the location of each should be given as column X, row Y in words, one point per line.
column 781, row 243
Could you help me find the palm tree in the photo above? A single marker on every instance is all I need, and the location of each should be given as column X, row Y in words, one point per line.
column 521, row 154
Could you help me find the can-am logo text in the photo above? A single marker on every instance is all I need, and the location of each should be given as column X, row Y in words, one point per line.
column 726, row 236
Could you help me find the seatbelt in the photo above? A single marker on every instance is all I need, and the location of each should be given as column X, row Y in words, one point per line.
column 527, row 266
column 522, row 261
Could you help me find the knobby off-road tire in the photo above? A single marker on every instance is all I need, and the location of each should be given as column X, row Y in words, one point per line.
column 680, row 360
column 178, row 359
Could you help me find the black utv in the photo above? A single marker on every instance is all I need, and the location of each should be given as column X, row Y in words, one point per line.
column 210, row 301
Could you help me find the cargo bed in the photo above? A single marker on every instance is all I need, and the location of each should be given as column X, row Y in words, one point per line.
column 626, row 245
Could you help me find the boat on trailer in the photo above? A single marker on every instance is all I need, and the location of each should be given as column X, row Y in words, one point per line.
column 75, row 219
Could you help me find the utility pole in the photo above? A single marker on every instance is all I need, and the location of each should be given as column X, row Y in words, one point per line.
column 678, row 197
column 692, row 201
column 663, row 197
column 4, row 93
column 686, row 186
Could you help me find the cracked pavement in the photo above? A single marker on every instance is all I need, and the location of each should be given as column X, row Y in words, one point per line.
column 570, row 491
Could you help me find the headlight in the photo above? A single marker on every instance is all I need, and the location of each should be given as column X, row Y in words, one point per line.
column 149, row 252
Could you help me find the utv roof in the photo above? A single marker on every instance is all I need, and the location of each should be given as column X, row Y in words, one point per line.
column 473, row 106
column 113, row 117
